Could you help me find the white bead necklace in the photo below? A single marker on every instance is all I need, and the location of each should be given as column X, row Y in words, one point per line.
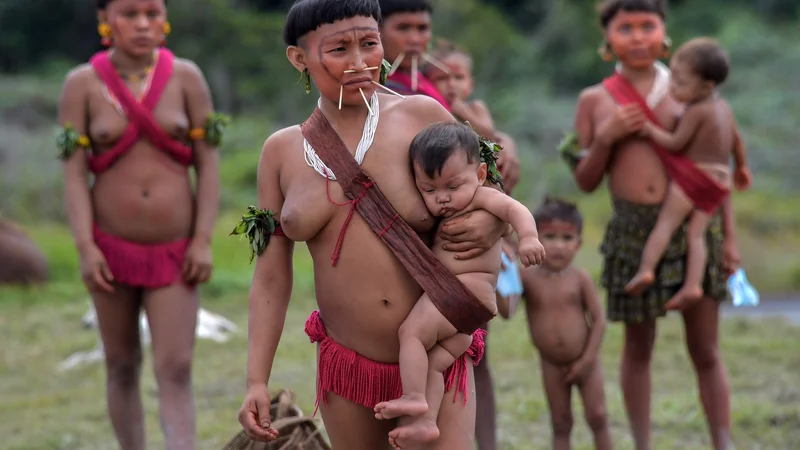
column 368, row 135
column 660, row 84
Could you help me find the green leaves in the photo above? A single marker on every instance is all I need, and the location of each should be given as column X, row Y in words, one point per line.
column 257, row 225
column 386, row 66
column 570, row 150
column 488, row 152
column 215, row 128
column 68, row 139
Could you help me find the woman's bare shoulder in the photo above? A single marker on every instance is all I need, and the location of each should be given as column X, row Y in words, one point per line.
column 592, row 94
column 284, row 139
column 423, row 109
column 79, row 75
column 187, row 68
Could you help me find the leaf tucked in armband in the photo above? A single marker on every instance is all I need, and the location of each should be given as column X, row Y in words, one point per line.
column 257, row 225
column 488, row 152
column 215, row 128
column 570, row 150
column 68, row 140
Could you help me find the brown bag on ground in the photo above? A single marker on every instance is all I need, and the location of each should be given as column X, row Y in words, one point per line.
column 297, row 432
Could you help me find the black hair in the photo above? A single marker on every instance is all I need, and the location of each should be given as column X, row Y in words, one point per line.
column 436, row 143
column 306, row 16
column 706, row 58
column 389, row 7
column 609, row 8
column 553, row 209
column 103, row 4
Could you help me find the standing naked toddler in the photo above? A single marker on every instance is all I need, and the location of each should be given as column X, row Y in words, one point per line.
column 557, row 298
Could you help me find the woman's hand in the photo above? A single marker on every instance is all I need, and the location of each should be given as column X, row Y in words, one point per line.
column 472, row 234
column 95, row 271
column 197, row 263
column 254, row 414
column 625, row 121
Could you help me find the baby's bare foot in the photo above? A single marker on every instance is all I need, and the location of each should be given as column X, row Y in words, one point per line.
column 407, row 405
column 420, row 431
column 641, row 281
column 684, row 298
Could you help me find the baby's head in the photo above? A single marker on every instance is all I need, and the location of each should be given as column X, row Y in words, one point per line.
column 447, row 166
column 458, row 84
column 698, row 67
column 560, row 225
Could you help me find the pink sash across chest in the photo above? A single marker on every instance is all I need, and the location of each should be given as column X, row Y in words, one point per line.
column 140, row 114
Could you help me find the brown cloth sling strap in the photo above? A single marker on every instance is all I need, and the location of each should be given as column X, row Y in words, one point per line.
column 451, row 297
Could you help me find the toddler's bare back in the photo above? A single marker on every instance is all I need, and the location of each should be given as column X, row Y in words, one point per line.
column 715, row 137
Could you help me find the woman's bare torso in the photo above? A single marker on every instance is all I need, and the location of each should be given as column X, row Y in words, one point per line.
column 556, row 314
column 364, row 299
column 635, row 172
column 145, row 196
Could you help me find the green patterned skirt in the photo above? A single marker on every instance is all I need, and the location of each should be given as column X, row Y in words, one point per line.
column 622, row 247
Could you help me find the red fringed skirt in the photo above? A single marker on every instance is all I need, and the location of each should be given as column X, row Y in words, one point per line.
column 366, row 382
column 149, row 266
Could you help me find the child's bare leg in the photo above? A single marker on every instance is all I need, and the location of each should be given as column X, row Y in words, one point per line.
column 422, row 428
column 673, row 212
column 421, row 330
column 692, row 289
column 559, row 399
column 594, row 406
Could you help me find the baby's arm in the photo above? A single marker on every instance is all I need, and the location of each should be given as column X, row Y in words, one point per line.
column 515, row 213
column 742, row 178
column 691, row 121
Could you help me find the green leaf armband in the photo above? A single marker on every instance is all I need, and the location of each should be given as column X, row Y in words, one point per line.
column 570, row 151
column 212, row 130
column 68, row 140
column 258, row 225
column 488, row 153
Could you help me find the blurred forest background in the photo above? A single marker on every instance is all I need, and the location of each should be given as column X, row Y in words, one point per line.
column 532, row 57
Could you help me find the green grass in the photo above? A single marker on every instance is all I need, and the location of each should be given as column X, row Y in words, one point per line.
column 40, row 327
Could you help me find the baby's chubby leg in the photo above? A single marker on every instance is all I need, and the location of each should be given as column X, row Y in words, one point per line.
column 692, row 289
column 421, row 330
column 673, row 212
column 423, row 428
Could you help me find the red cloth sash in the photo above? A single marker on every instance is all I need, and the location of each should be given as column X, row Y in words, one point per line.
column 140, row 115
column 702, row 190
